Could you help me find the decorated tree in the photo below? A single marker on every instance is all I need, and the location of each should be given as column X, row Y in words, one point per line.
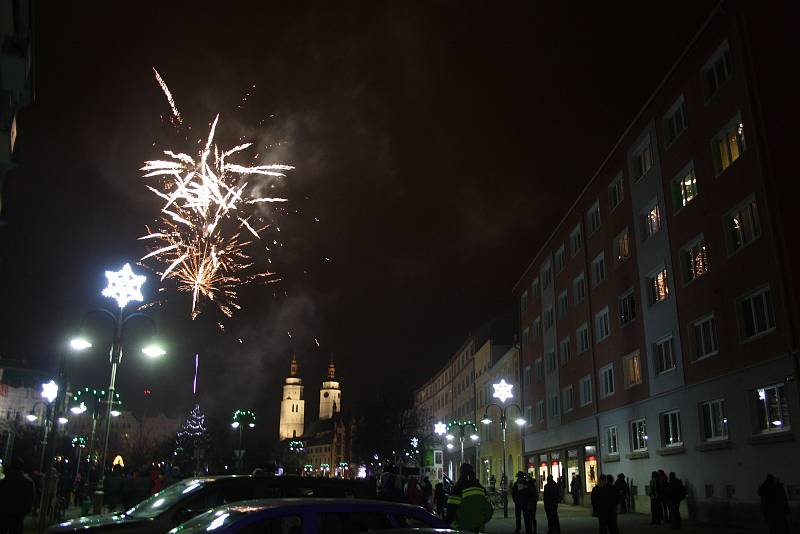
column 192, row 441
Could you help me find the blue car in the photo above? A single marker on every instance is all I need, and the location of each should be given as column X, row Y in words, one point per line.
column 311, row 516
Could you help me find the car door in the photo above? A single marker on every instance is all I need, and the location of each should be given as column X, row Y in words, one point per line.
column 216, row 494
column 352, row 521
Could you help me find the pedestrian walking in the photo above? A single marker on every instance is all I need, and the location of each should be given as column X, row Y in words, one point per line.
column 575, row 488
column 562, row 488
column 17, row 496
column 623, row 492
column 534, row 486
column 492, row 483
column 439, row 499
column 774, row 505
column 413, row 492
column 655, row 502
column 468, row 508
column 604, row 505
column 676, row 492
column 521, row 495
column 551, row 498
column 427, row 494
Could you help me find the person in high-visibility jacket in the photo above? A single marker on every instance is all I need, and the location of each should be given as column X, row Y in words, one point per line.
column 468, row 508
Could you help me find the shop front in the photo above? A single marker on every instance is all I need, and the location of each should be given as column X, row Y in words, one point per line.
column 564, row 464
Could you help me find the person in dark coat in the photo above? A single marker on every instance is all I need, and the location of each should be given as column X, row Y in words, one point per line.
column 663, row 498
column 676, row 492
column 439, row 499
column 623, row 492
column 552, row 495
column 17, row 496
column 427, row 493
column 655, row 502
column 774, row 505
column 575, row 489
column 604, row 505
column 534, row 486
column 521, row 495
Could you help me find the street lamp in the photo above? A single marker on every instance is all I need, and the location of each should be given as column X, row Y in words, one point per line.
column 85, row 399
column 502, row 392
column 462, row 427
column 240, row 419
column 123, row 286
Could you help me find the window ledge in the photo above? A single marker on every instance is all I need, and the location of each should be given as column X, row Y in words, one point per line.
column 668, row 451
column 705, row 356
column 770, row 437
column 758, row 336
column 637, row 455
column 610, row 459
column 713, row 445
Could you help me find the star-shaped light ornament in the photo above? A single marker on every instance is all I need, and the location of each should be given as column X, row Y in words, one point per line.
column 124, row 286
column 440, row 428
column 50, row 391
column 502, row 390
column 414, row 442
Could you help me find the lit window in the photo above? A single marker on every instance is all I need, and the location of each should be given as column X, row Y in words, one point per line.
column 579, row 288
column 598, row 269
column 575, row 240
column 586, row 390
column 664, row 355
column 717, row 70
column 622, row 246
column 704, row 334
column 627, row 307
column 642, row 161
column 632, row 369
column 684, row 187
column 564, row 350
column 569, row 399
column 612, row 446
column 561, row 259
column 602, row 325
column 638, row 435
column 715, row 420
column 756, row 314
column 607, row 380
column 728, row 145
column 695, row 259
column 582, row 336
column 773, row 408
column 652, row 221
column 742, row 225
column 675, row 120
column 671, row 429
column 658, row 286
column 615, row 192
column 593, row 218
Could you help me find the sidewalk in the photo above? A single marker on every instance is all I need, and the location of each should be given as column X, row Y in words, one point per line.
column 579, row 520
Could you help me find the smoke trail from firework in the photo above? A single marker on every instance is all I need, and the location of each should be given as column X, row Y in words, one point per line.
column 197, row 240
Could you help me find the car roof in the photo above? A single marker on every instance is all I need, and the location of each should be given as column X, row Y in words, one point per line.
column 259, row 505
column 281, row 478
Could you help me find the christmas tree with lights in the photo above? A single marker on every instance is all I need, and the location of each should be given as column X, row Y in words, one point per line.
column 192, row 440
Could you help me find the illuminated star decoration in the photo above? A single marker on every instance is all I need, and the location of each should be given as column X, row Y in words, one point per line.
column 124, row 286
column 440, row 428
column 502, row 390
column 50, row 391
column 414, row 442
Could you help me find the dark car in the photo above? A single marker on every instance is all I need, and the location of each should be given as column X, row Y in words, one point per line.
column 193, row 496
column 311, row 516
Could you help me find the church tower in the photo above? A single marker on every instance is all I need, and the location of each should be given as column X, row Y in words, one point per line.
column 330, row 396
column 292, row 405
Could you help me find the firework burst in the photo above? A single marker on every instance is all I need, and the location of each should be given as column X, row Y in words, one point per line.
column 203, row 237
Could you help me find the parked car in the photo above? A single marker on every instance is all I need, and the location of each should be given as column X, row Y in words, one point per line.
column 190, row 497
column 311, row 516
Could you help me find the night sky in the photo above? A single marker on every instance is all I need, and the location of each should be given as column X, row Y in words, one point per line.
column 438, row 143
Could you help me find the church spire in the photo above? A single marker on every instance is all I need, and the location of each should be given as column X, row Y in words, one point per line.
column 331, row 370
column 293, row 366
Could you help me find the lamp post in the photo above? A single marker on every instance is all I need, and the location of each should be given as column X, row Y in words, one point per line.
column 79, row 443
column 94, row 398
column 240, row 419
column 123, row 286
column 462, row 427
column 502, row 392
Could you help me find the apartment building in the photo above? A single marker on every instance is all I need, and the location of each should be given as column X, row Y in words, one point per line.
column 656, row 319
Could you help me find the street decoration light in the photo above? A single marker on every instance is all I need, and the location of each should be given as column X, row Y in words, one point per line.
column 50, row 391
column 463, row 427
column 91, row 400
column 124, row 286
column 240, row 419
column 502, row 392
column 440, row 428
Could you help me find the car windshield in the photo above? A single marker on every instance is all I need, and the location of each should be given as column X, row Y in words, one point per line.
column 164, row 499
